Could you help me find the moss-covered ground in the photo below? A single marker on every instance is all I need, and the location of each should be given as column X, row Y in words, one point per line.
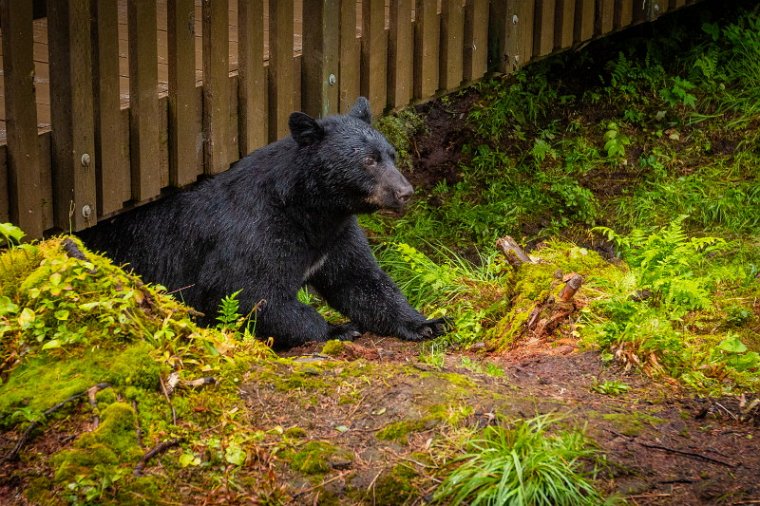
column 632, row 163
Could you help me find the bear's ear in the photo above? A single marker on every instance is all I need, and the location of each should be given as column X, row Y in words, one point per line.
column 361, row 110
column 305, row 129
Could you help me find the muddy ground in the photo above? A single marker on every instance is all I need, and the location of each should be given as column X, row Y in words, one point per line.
column 662, row 444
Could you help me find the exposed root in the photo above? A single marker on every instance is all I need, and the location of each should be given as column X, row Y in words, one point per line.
column 156, row 450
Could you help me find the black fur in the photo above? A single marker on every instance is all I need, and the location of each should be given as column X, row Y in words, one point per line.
column 282, row 217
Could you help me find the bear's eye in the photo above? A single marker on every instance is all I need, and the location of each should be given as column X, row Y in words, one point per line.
column 369, row 161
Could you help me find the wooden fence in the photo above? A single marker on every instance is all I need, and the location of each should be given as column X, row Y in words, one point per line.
column 119, row 132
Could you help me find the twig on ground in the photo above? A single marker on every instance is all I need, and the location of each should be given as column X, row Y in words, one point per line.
column 685, row 453
column 166, row 394
column 156, row 450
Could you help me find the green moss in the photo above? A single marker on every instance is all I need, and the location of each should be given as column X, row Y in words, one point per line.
column 317, row 457
column 296, row 432
column 632, row 424
column 333, row 347
column 395, row 486
column 399, row 431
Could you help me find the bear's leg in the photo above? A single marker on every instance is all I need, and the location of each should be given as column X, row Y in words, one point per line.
column 290, row 323
column 352, row 282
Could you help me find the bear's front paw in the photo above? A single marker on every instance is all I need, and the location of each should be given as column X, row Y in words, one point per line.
column 344, row 332
column 429, row 329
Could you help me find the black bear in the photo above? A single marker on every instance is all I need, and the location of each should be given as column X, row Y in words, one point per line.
column 282, row 217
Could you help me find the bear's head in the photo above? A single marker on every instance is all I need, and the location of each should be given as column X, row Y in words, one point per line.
column 355, row 164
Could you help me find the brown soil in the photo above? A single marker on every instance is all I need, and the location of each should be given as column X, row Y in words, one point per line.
column 662, row 444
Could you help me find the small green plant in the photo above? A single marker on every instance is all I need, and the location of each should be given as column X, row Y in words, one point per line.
column 615, row 142
column 611, row 387
column 522, row 465
column 229, row 312
column 678, row 93
column 11, row 234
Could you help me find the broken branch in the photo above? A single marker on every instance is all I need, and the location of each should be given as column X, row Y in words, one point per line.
column 156, row 450
column 514, row 253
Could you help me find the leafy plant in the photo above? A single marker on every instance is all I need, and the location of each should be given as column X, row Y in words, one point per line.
column 522, row 464
column 615, row 142
column 229, row 312
column 611, row 387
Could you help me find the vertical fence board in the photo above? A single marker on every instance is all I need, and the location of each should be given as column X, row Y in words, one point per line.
column 400, row 54
column 426, row 40
column 25, row 204
column 216, row 85
column 518, row 33
column 252, row 87
column 676, row 4
column 452, row 44
column 475, row 40
column 623, row 13
column 564, row 24
column 348, row 80
column 46, row 179
column 321, row 47
column 72, row 117
column 605, row 16
column 5, row 196
column 374, row 60
column 112, row 176
column 281, row 67
column 543, row 36
column 183, row 131
column 584, row 20
column 143, row 101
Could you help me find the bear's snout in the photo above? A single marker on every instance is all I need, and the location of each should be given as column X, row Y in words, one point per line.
column 404, row 194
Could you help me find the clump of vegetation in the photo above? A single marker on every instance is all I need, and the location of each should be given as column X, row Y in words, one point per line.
column 522, row 463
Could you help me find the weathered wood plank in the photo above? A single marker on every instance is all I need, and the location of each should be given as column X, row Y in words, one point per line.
column 374, row 60
column 452, row 44
column 252, row 86
column 321, row 48
column 623, row 13
column 475, row 40
column 674, row 4
column 518, row 33
column 22, row 156
column 112, row 174
column 543, row 35
column 281, row 67
column 5, row 206
column 426, row 47
column 183, row 130
column 584, row 20
column 216, row 85
column 144, row 121
column 72, row 114
column 564, row 23
column 605, row 16
column 46, row 179
column 350, row 55
column 400, row 54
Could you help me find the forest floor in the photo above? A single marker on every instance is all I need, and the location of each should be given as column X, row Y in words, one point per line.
column 110, row 394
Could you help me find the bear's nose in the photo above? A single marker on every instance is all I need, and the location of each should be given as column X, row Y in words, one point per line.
column 404, row 194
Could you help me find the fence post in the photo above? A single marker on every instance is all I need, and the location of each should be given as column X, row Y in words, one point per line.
column 543, row 28
column 584, row 20
column 216, row 85
column 426, row 45
column 452, row 44
column 374, row 63
column 112, row 176
column 252, row 86
column 400, row 54
column 564, row 24
column 281, row 79
column 25, row 200
column 348, row 80
column 72, row 118
column 321, row 47
column 183, row 129
column 476, row 40
column 143, row 99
